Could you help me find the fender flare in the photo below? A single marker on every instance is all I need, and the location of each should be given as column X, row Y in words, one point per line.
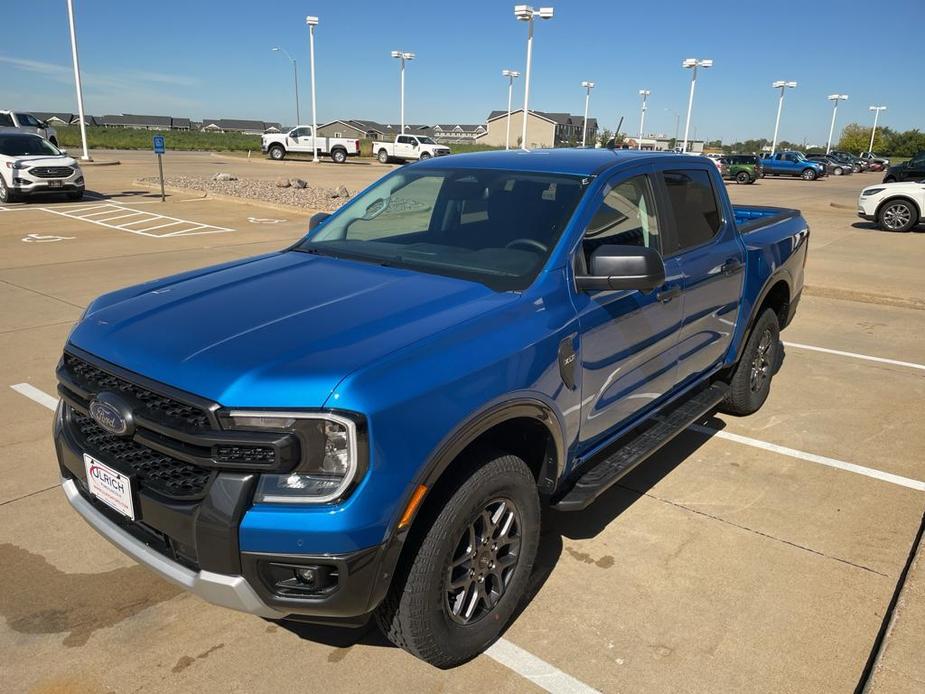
column 781, row 274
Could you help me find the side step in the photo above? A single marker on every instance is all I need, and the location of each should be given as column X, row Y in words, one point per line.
column 603, row 474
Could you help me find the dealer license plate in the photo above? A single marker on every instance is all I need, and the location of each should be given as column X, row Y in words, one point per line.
column 55, row 184
column 109, row 486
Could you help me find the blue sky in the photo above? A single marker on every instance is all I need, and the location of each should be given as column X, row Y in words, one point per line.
column 214, row 59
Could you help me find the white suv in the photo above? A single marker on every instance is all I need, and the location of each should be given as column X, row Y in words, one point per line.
column 30, row 164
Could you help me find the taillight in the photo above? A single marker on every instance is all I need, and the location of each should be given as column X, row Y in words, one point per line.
column 356, row 143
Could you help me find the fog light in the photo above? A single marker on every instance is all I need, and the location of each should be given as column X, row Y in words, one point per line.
column 308, row 575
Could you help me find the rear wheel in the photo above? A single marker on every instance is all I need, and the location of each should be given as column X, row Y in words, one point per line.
column 837, row 171
column 897, row 215
column 751, row 380
column 383, row 157
column 889, row 179
column 277, row 152
column 743, row 177
column 456, row 594
column 339, row 156
column 808, row 175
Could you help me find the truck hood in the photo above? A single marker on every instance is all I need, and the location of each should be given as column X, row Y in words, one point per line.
column 278, row 331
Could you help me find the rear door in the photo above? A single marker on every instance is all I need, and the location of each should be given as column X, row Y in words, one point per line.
column 628, row 338
column 712, row 262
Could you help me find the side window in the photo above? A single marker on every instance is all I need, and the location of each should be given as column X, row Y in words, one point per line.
column 404, row 140
column 298, row 132
column 6, row 120
column 626, row 217
column 693, row 202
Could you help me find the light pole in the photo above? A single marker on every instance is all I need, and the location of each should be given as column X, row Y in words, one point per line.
column 510, row 74
column 692, row 64
column 876, row 110
column 80, row 95
column 403, row 56
column 295, row 81
column 644, row 93
column 782, row 85
column 584, row 124
column 834, row 98
column 527, row 14
column 312, row 22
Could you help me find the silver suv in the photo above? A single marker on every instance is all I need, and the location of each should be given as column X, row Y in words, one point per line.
column 27, row 123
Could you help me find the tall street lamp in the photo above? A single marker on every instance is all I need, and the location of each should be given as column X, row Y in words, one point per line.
column 782, row 85
column 510, row 74
column 295, row 81
column 692, row 64
column 644, row 93
column 403, row 56
column 527, row 14
column 312, row 22
column 834, row 98
column 584, row 125
column 80, row 95
column 876, row 110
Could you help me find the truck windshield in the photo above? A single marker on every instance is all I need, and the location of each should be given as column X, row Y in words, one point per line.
column 489, row 226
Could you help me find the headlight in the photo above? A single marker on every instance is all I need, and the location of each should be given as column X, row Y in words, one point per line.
column 332, row 455
column 871, row 191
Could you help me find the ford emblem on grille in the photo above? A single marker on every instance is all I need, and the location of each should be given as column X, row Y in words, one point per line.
column 112, row 413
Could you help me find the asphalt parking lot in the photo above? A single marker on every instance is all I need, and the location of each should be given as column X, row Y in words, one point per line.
column 759, row 554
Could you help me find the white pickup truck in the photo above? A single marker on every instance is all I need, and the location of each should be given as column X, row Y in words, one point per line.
column 408, row 148
column 27, row 123
column 300, row 139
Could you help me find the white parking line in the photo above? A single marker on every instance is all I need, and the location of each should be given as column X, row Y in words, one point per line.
column 39, row 396
column 525, row 664
column 102, row 215
column 538, row 671
column 813, row 458
column 865, row 357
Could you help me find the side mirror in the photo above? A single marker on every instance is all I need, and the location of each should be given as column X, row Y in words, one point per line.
column 317, row 219
column 63, row 151
column 623, row 267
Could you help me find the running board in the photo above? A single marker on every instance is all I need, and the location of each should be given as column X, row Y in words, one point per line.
column 604, row 474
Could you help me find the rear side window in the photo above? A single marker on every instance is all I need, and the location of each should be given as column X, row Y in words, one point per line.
column 6, row 120
column 693, row 202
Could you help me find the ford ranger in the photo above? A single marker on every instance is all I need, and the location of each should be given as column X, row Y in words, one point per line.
column 369, row 421
column 300, row 139
column 408, row 148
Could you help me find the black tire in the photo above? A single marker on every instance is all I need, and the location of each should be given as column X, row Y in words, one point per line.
column 743, row 177
column 417, row 614
column 897, row 215
column 889, row 179
column 76, row 194
column 6, row 195
column 760, row 360
column 808, row 174
column 425, row 156
column 837, row 171
column 339, row 156
column 856, row 168
column 383, row 157
column 277, row 152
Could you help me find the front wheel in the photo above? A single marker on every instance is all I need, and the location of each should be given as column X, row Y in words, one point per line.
column 277, row 152
column 339, row 156
column 425, row 156
column 808, row 175
column 897, row 215
column 760, row 360
column 837, row 171
column 455, row 595
column 6, row 195
column 383, row 157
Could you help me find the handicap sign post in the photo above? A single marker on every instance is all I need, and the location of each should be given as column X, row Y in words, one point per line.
column 159, row 149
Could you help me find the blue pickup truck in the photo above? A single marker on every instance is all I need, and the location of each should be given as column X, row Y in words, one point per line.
column 792, row 164
column 369, row 421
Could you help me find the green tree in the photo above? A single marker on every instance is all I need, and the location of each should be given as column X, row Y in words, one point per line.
column 855, row 138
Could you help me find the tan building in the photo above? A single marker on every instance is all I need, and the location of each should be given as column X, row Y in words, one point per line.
column 543, row 129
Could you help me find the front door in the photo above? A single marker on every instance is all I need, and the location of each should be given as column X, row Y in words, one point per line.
column 712, row 263
column 628, row 338
column 404, row 147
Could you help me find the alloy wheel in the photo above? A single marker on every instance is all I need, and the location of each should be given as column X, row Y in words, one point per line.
column 896, row 216
column 761, row 364
column 483, row 562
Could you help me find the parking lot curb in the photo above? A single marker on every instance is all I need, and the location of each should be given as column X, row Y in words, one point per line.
column 208, row 195
column 101, row 162
column 840, row 206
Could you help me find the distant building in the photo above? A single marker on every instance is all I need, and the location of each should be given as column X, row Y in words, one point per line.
column 454, row 132
column 140, row 122
column 661, row 143
column 371, row 130
column 236, row 125
column 543, row 129
column 54, row 118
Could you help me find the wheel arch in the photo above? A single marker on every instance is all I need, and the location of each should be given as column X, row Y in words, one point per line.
column 904, row 198
column 777, row 294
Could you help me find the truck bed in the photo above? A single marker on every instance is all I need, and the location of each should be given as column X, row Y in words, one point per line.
column 751, row 218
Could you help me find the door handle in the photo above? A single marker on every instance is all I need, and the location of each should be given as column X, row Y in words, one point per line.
column 669, row 293
column 732, row 266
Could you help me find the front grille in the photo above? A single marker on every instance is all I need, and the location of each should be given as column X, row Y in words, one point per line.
column 153, row 405
column 154, row 471
column 51, row 171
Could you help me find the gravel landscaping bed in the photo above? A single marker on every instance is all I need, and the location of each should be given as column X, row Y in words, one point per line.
column 274, row 191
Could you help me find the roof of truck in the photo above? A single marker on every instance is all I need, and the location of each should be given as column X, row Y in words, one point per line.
column 564, row 160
